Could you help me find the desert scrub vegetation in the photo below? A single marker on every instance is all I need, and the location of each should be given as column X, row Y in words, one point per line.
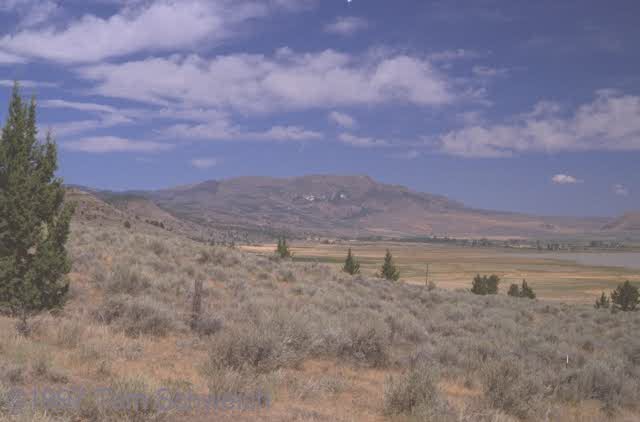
column 262, row 320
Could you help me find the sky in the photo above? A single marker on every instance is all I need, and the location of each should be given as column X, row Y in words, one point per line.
column 529, row 106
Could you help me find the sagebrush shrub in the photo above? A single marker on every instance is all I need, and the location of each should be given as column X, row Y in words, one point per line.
column 416, row 394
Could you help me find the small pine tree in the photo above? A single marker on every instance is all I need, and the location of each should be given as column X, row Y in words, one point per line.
column 626, row 297
column 602, row 302
column 282, row 250
column 514, row 290
column 34, row 220
column 351, row 265
column 485, row 285
column 527, row 291
column 389, row 270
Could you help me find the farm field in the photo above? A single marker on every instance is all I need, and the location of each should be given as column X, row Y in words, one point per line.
column 558, row 278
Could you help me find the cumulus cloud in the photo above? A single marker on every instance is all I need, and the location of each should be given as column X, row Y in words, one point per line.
column 406, row 155
column 362, row 141
column 283, row 82
column 28, row 84
column 222, row 129
column 204, row 163
column 610, row 123
column 489, row 72
column 108, row 144
column 564, row 179
column 105, row 117
column 342, row 119
column 346, row 25
column 7, row 58
column 620, row 190
column 454, row 55
column 160, row 25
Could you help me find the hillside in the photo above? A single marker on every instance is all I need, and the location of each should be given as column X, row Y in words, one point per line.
column 344, row 206
column 628, row 222
column 317, row 344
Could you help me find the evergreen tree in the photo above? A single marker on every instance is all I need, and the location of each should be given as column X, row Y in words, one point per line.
column 485, row 285
column 527, row 291
column 389, row 270
column 626, row 297
column 282, row 250
column 602, row 302
column 514, row 290
column 34, row 221
column 351, row 265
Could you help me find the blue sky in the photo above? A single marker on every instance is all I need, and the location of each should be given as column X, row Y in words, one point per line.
column 513, row 105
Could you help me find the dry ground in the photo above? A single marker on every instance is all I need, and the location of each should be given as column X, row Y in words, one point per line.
column 324, row 346
column 453, row 267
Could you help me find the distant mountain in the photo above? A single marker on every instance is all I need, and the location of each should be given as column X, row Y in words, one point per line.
column 338, row 206
column 628, row 222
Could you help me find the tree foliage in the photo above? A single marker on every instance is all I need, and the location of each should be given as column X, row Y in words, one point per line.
column 34, row 220
column 626, row 297
column 282, row 250
column 524, row 291
column 485, row 285
column 351, row 265
column 602, row 302
column 389, row 270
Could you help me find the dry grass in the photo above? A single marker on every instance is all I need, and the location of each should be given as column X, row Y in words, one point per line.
column 323, row 345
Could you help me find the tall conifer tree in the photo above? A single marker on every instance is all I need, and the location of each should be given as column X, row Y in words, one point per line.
column 34, row 220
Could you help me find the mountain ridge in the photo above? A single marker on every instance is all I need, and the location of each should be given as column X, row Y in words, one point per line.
column 343, row 206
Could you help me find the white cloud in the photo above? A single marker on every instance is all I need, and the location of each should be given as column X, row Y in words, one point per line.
column 346, row 25
column 564, row 179
column 620, row 190
column 78, row 106
column 362, row 141
column 407, row 155
column 285, row 81
column 610, row 123
column 342, row 119
column 108, row 144
column 453, row 55
column 204, row 163
column 160, row 25
column 28, row 84
column 6, row 58
column 489, row 72
column 107, row 117
column 222, row 130
column 30, row 12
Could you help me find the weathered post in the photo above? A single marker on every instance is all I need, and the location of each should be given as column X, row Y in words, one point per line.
column 196, row 309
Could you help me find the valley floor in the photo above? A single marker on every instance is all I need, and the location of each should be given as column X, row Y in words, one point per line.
column 554, row 277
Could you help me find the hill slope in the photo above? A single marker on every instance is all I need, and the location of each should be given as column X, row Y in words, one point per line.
column 345, row 206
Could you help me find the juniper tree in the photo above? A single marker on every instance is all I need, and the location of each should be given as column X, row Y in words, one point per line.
column 602, row 302
column 351, row 265
column 485, row 285
column 514, row 290
column 389, row 270
column 626, row 297
column 282, row 250
column 527, row 291
column 34, row 220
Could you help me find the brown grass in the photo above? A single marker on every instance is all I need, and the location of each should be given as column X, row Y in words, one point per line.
column 323, row 344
